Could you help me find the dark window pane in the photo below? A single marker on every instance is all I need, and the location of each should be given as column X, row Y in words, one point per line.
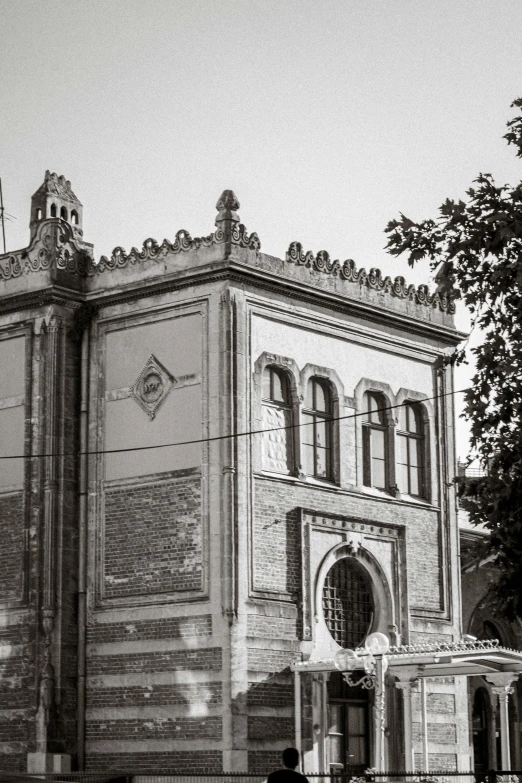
column 308, row 429
column 279, row 387
column 414, row 481
column 402, row 450
column 378, row 474
column 402, row 478
column 321, row 430
column 377, row 444
column 308, row 460
column 321, row 466
column 347, row 603
column 321, row 398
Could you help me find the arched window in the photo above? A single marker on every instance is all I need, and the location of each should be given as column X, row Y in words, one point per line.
column 317, row 430
column 348, row 605
column 53, row 210
column 63, row 213
column 277, row 420
column 410, row 450
column 38, row 214
column 74, row 217
column 375, row 442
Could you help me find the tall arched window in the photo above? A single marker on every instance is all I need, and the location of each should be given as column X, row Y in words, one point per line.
column 375, row 442
column 63, row 213
column 317, row 432
column 348, row 606
column 74, row 217
column 53, row 210
column 410, row 450
column 278, row 453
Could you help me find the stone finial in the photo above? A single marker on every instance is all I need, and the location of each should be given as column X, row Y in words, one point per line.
column 226, row 206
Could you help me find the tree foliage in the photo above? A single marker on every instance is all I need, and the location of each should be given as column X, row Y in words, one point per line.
column 476, row 245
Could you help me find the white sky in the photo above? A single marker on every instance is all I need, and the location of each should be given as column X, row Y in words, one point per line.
column 326, row 117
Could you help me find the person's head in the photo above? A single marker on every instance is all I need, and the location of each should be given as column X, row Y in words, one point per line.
column 291, row 758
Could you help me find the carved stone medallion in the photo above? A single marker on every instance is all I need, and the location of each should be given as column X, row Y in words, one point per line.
column 152, row 386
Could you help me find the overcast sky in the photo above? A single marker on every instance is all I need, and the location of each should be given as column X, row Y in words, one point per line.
column 327, row 118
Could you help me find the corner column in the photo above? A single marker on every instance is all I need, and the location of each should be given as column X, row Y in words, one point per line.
column 407, row 686
column 502, row 687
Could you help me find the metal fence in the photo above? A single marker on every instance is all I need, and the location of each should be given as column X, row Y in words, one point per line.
column 370, row 776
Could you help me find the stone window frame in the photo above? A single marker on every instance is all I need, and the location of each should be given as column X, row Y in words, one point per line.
column 381, row 593
column 336, row 389
column 364, row 386
column 429, row 456
column 289, row 368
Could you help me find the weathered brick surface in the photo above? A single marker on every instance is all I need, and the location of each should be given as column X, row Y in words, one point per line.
column 272, row 694
column 265, row 627
column 442, row 733
column 13, row 762
column 171, row 761
column 12, row 549
column 277, row 536
column 262, row 762
column 270, row 660
column 155, row 728
column 155, row 695
column 14, row 728
column 163, row 628
column 166, row 661
column 271, row 728
column 437, row 702
column 438, row 762
column 17, row 694
column 153, row 538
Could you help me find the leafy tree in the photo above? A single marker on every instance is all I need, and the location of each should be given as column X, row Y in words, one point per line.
column 476, row 245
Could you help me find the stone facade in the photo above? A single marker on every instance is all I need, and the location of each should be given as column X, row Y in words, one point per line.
column 155, row 595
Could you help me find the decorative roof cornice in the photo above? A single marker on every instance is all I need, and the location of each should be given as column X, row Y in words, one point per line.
column 53, row 247
column 347, row 270
column 153, row 251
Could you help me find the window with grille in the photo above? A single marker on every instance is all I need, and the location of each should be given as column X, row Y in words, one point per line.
column 317, row 432
column 277, row 422
column 410, row 447
column 348, row 603
column 375, row 442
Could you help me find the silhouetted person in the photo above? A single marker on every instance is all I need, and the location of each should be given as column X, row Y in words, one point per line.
column 288, row 773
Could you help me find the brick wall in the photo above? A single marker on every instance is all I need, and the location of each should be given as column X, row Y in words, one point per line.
column 162, row 628
column 155, row 695
column 440, row 733
column 12, row 548
column 277, row 536
column 161, row 661
column 438, row 762
column 155, row 728
column 153, row 537
column 159, row 762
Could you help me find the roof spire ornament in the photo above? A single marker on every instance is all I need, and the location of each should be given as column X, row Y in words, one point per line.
column 227, row 217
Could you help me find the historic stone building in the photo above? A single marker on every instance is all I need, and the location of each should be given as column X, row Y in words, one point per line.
column 220, row 469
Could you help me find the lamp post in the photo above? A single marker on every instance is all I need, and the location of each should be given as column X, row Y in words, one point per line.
column 372, row 659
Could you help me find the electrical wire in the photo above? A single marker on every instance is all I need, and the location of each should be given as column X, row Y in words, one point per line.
column 218, row 437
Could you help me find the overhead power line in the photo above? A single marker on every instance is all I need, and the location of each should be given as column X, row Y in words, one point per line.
column 219, row 437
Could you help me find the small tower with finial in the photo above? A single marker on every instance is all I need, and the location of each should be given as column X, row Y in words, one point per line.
column 55, row 199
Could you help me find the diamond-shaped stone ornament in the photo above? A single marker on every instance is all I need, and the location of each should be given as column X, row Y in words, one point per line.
column 152, row 386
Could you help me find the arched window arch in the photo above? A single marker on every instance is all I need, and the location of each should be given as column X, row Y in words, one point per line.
column 410, row 473
column 278, row 453
column 376, row 466
column 39, row 214
column 74, row 217
column 53, row 210
column 317, row 433
column 348, row 603
column 63, row 213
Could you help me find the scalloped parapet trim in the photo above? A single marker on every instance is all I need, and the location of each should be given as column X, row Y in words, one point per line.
column 347, row 270
column 41, row 258
column 152, row 251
